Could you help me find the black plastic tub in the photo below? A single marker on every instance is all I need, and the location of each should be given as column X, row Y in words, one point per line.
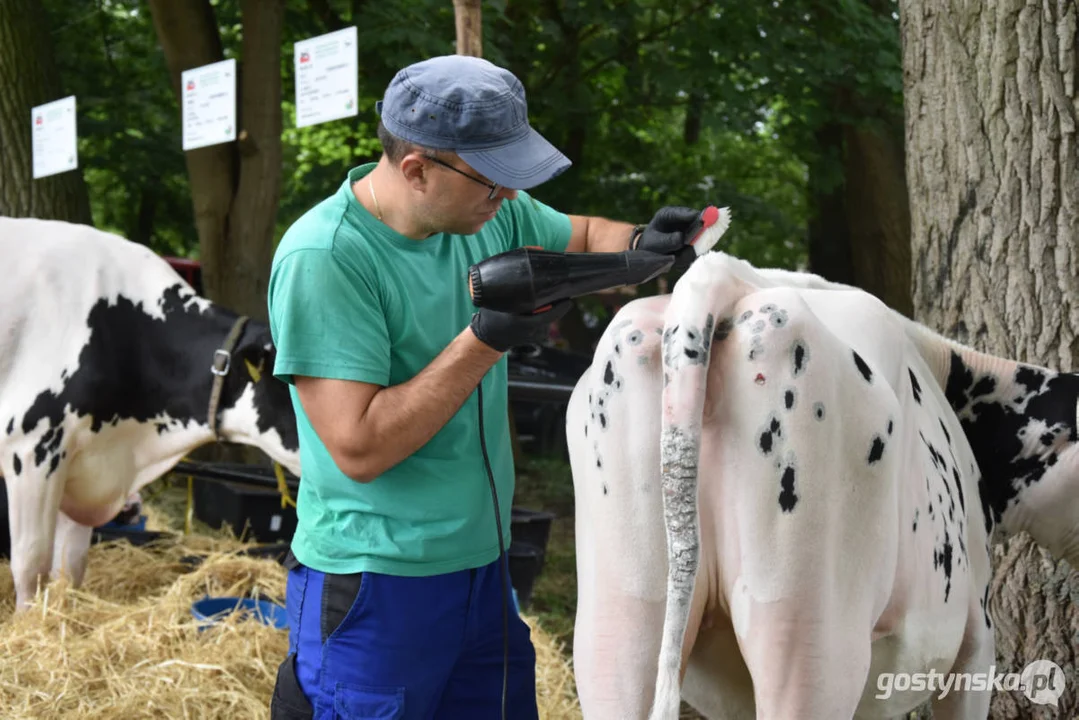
column 526, row 562
column 531, row 527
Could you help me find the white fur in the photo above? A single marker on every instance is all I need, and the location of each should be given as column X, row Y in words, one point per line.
column 55, row 273
column 791, row 614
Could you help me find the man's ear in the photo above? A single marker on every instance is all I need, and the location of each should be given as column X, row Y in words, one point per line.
column 414, row 170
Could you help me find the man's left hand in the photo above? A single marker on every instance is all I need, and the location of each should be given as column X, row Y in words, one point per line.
column 667, row 232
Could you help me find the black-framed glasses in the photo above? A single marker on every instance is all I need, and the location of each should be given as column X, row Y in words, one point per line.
column 493, row 187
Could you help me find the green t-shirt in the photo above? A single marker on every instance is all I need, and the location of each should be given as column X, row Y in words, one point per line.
column 350, row 298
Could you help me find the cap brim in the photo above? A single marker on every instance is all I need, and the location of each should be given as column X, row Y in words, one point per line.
column 519, row 165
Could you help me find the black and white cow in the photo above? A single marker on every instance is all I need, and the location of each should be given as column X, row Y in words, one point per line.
column 109, row 367
column 786, row 492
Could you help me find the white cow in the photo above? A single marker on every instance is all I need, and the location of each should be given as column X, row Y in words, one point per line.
column 106, row 383
column 827, row 476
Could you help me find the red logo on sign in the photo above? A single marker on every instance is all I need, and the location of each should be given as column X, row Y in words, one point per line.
column 190, row 84
column 39, row 120
column 304, row 57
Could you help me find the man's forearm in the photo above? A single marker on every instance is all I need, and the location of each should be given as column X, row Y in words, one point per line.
column 401, row 418
column 602, row 235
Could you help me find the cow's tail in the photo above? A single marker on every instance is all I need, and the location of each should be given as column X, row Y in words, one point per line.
column 700, row 309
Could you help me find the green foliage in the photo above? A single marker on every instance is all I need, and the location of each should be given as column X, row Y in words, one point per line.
column 128, row 124
column 674, row 102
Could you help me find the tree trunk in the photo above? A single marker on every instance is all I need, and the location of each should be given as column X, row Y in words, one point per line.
column 992, row 163
column 469, row 21
column 235, row 187
column 829, row 232
column 243, row 271
column 878, row 215
column 860, row 230
column 29, row 77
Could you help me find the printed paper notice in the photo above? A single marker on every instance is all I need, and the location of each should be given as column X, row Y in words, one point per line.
column 209, row 104
column 55, row 142
column 326, row 77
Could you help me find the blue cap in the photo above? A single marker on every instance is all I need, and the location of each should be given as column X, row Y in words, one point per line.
column 476, row 109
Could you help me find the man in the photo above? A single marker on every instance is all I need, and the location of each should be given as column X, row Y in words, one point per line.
column 397, row 589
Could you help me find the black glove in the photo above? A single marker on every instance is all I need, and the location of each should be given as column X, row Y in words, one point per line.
column 503, row 331
column 666, row 233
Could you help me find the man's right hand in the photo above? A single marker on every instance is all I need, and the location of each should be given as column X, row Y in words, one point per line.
column 503, row 331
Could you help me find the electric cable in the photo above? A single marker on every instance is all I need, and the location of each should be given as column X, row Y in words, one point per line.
column 503, row 561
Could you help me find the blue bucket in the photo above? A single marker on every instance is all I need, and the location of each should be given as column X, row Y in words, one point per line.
column 211, row 609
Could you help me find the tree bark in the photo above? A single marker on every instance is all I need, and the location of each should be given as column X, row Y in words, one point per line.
column 243, row 269
column 828, row 230
column 878, row 214
column 992, row 163
column 235, row 187
column 468, row 16
column 29, row 77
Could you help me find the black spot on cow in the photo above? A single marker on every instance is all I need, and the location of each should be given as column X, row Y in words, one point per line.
column 942, row 560
column 745, row 316
column 876, row 449
column 137, row 367
column 939, row 462
column 787, row 497
column 1032, row 379
column 16, row 463
column 48, row 443
column 1047, row 438
column 959, row 489
column 603, row 420
column 788, row 398
column 586, row 429
column 994, row 427
column 604, row 488
column 947, row 435
column 818, row 410
column 863, row 368
column 723, row 329
column 891, row 426
column 799, row 356
column 915, row 387
column 915, row 527
column 53, row 464
column 608, row 373
column 692, row 354
column 618, row 350
column 758, row 327
column 768, row 308
column 768, row 434
column 11, row 426
column 635, row 337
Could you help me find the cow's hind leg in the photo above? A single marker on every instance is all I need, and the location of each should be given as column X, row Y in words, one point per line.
column 809, row 456
column 70, row 547
column 35, row 485
column 612, row 426
column 975, row 658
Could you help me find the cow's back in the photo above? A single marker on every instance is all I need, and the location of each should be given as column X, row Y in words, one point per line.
column 57, row 274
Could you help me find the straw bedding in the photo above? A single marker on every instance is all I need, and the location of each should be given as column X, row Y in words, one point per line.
column 126, row 646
